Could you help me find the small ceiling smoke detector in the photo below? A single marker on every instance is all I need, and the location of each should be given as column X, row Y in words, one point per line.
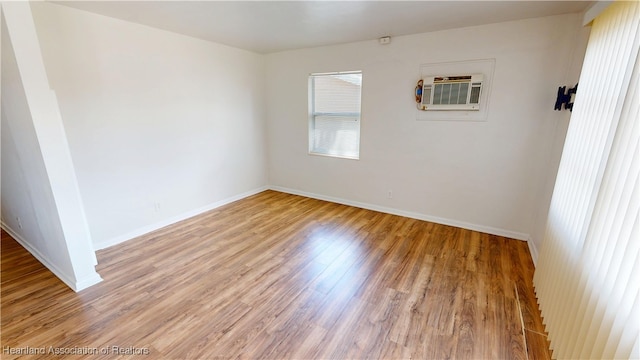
column 384, row 40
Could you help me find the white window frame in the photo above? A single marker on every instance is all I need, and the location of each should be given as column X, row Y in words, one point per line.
column 313, row 150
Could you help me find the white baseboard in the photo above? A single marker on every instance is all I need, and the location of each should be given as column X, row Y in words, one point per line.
column 461, row 224
column 409, row 214
column 172, row 220
column 75, row 285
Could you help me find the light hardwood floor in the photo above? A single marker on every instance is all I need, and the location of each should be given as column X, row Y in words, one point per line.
column 278, row 276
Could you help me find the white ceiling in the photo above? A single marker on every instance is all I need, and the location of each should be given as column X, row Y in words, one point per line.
column 272, row 26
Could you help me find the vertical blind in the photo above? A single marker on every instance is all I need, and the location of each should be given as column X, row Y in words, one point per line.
column 334, row 126
column 588, row 274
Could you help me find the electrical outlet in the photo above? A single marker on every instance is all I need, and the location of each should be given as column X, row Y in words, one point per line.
column 19, row 221
column 390, row 194
column 156, row 206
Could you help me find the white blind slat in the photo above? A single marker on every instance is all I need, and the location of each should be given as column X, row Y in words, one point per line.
column 587, row 275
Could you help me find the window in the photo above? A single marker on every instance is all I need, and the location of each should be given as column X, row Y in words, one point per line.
column 334, row 114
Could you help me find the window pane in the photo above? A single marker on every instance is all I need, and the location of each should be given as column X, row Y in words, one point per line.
column 337, row 135
column 334, row 126
column 337, row 93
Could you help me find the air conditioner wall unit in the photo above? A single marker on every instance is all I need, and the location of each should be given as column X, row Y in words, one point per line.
column 461, row 93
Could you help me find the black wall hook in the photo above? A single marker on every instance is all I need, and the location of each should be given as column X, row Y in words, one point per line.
column 565, row 98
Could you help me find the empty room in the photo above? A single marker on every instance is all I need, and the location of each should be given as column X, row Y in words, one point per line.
column 320, row 179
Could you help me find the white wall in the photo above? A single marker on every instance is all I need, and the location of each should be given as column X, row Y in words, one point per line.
column 487, row 175
column 571, row 76
column 41, row 206
column 160, row 125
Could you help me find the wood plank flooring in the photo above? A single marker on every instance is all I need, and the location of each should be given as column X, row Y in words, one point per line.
column 278, row 276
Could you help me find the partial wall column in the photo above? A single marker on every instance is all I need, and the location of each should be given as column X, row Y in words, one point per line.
column 56, row 158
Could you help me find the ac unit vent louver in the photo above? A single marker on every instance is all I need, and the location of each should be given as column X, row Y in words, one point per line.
column 452, row 92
